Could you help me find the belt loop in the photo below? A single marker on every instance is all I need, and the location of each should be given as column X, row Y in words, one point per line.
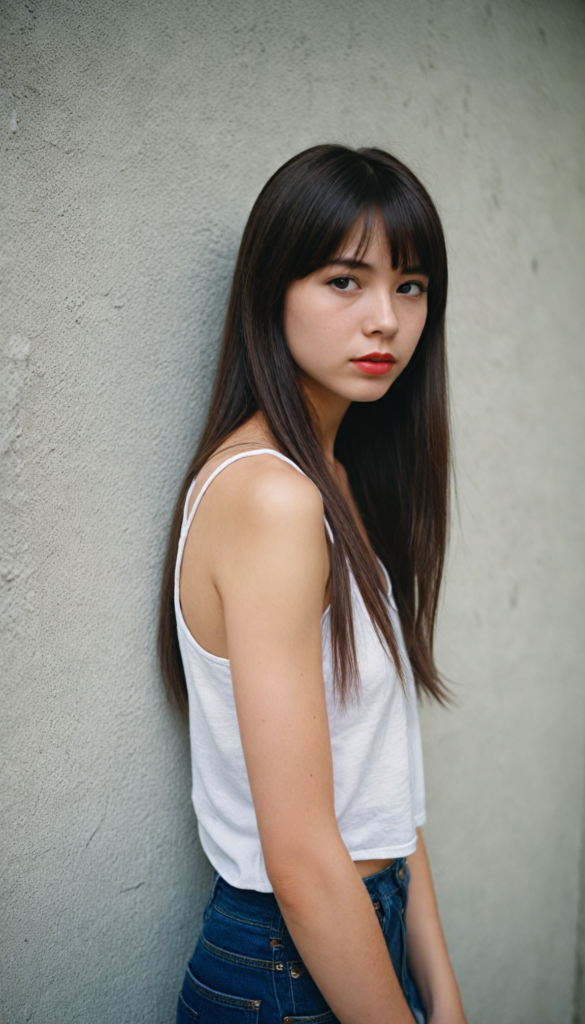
column 399, row 869
column 277, row 927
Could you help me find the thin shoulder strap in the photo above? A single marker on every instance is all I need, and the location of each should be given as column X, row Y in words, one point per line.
column 188, row 518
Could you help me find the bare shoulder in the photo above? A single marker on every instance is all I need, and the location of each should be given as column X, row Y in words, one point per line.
column 264, row 492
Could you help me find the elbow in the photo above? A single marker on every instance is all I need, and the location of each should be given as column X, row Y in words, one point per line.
column 297, row 875
column 291, row 885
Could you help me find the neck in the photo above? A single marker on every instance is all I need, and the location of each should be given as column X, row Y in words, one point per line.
column 327, row 411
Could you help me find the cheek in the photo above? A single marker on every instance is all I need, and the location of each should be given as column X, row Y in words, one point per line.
column 315, row 354
column 312, row 333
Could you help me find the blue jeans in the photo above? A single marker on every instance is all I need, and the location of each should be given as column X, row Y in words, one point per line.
column 246, row 969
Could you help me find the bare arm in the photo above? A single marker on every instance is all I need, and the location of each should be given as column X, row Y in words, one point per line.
column 271, row 571
column 428, row 959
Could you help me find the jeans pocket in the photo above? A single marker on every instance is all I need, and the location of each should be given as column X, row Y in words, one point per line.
column 198, row 1002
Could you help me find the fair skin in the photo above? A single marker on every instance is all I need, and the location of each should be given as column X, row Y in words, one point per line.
column 254, row 584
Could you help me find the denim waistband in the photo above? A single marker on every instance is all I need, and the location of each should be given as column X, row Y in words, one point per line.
column 395, row 876
column 259, row 908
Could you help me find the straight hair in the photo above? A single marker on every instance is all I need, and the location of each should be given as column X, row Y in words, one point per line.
column 395, row 450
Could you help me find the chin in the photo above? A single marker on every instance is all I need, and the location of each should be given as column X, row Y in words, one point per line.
column 366, row 391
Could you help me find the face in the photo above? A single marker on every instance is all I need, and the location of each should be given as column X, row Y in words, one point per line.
column 352, row 326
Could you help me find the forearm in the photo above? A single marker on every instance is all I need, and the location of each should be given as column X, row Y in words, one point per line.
column 334, row 926
column 428, row 958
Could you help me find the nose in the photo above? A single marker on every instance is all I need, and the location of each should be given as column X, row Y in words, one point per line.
column 381, row 319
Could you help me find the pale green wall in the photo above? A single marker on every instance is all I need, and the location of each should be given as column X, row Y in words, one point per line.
column 144, row 130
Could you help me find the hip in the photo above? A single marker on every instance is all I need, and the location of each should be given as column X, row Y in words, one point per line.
column 247, row 970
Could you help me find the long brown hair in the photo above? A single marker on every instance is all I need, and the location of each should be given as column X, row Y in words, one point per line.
column 395, row 450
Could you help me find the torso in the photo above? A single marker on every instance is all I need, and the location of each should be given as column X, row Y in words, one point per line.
column 371, row 867
column 200, row 599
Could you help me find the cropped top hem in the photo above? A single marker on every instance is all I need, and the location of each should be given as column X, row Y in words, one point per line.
column 383, row 852
column 260, row 883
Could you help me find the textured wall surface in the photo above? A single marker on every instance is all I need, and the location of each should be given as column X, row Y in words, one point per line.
column 134, row 137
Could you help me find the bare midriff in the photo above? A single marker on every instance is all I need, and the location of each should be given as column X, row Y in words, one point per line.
column 371, row 867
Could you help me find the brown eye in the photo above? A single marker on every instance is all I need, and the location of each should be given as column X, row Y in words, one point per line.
column 411, row 288
column 344, row 284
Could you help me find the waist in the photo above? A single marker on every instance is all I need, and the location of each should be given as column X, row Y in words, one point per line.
column 259, row 908
column 372, row 867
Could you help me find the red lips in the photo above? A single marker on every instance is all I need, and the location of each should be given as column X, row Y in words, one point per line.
column 376, row 363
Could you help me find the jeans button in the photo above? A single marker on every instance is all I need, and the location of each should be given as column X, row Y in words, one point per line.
column 401, row 874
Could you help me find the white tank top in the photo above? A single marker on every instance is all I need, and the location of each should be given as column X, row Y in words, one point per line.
column 375, row 740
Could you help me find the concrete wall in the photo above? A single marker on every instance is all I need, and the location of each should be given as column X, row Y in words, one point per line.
column 134, row 138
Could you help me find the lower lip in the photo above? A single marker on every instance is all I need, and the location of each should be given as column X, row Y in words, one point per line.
column 377, row 368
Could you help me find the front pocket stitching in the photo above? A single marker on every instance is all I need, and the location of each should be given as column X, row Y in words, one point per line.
column 236, row 958
column 240, row 1002
column 384, row 894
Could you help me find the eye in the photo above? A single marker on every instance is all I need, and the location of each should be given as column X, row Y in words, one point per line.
column 343, row 284
column 413, row 288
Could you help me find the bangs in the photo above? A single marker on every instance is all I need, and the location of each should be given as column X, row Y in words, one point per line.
column 407, row 238
column 357, row 198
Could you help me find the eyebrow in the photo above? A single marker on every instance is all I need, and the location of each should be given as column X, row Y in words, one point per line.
column 362, row 265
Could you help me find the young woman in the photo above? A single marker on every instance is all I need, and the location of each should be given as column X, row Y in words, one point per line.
column 299, row 604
